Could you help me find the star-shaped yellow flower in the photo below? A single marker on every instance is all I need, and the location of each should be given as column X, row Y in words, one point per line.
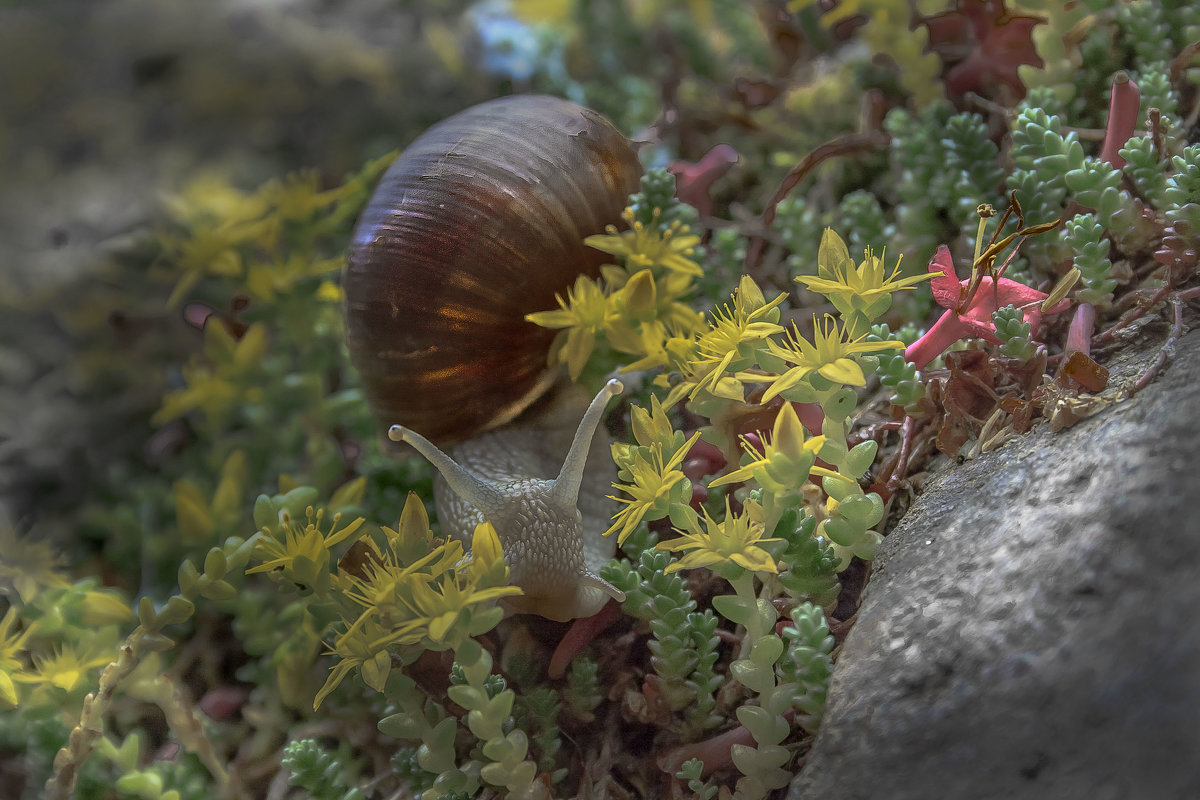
column 786, row 460
column 656, row 484
column 648, row 246
column 735, row 540
column 583, row 314
column 828, row 355
column 730, row 345
column 861, row 292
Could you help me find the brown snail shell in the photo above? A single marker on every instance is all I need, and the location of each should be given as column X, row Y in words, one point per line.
column 478, row 223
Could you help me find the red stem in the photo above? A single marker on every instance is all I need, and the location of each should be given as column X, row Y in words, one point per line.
column 1123, row 106
column 1083, row 325
column 579, row 635
column 716, row 753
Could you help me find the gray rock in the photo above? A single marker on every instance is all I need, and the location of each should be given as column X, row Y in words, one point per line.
column 1032, row 629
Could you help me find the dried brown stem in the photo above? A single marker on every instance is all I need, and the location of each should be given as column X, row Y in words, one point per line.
column 1180, row 62
column 1157, row 133
column 1164, row 352
column 900, row 471
column 841, row 146
column 1136, row 313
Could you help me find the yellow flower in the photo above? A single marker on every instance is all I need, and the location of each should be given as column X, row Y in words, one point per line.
column 297, row 196
column 301, row 551
column 649, row 343
column 63, row 668
column 443, row 602
column 383, row 583
column 224, row 377
column 28, row 564
column 583, row 314
column 786, row 460
column 412, row 539
column 654, row 427
column 655, row 485
column 487, row 565
column 414, row 593
column 864, row 290
column 729, row 345
column 828, row 355
column 11, row 646
column 362, row 646
column 734, row 540
column 266, row 279
column 648, row 246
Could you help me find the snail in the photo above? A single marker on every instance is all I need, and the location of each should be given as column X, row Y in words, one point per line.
column 479, row 222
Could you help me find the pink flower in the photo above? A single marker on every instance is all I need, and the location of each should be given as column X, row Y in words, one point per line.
column 694, row 179
column 971, row 317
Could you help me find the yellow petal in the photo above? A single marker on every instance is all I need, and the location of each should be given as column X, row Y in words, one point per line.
column 784, row 382
column 832, row 252
column 8, row 690
column 485, row 544
column 738, row 475
column 755, row 559
column 845, row 371
column 787, row 434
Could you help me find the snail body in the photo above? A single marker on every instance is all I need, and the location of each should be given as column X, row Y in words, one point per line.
column 478, row 223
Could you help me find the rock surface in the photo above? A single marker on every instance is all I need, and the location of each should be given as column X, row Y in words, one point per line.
column 1032, row 629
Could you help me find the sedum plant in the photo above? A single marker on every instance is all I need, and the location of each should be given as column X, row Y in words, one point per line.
column 769, row 435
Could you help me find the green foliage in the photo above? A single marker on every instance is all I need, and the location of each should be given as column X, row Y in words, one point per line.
column 1157, row 91
column 812, row 564
column 798, row 225
column 646, row 582
column 862, row 215
column 917, row 166
column 726, row 259
column 584, row 692
column 1038, row 144
column 895, row 372
column 888, row 32
column 703, row 682
column 504, row 748
column 407, row 768
column 970, row 171
column 656, row 204
column 672, row 655
column 1183, row 189
column 157, row 780
column 537, row 711
column 1144, row 30
column 807, row 664
column 1086, row 237
column 1014, row 333
column 762, row 765
column 1052, row 167
column 243, row 391
column 1146, row 169
column 692, row 772
column 1046, row 99
column 319, row 771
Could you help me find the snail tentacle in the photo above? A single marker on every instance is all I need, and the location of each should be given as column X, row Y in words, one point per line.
column 484, row 495
column 537, row 521
column 566, row 485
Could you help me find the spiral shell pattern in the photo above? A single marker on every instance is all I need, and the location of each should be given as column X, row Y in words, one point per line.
column 478, row 223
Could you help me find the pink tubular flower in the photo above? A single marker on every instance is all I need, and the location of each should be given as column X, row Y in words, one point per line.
column 971, row 317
